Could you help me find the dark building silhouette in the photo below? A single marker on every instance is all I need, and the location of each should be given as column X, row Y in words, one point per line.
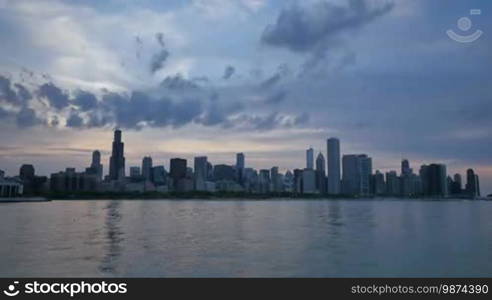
column 147, row 168
column 117, row 159
column 177, row 172
column 26, row 172
column 298, row 184
column 472, row 184
column 224, row 172
column 33, row 185
column 378, row 186
column 321, row 183
column 456, row 185
column 436, row 180
column 72, row 181
column 357, row 171
column 159, row 175
column 240, row 167
column 96, row 167
column 405, row 167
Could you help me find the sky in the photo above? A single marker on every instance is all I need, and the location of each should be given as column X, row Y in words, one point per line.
column 269, row 78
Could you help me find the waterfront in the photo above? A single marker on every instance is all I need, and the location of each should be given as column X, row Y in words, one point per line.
column 265, row 238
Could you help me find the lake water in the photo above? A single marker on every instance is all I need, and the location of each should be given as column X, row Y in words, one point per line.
column 192, row 238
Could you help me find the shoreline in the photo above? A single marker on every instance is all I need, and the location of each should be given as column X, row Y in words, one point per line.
column 222, row 196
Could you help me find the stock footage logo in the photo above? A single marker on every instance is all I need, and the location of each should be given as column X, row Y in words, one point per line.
column 11, row 290
column 465, row 24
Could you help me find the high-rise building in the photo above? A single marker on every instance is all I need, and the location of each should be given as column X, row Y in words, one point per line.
column 96, row 166
column 333, row 147
column 32, row 184
column 135, row 173
column 405, row 167
column 456, row 185
column 117, row 159
column 240, row 161
column 224, row 172
column 297, row 184
column 392, row 184
column 264, row 181
column 26, row 172
column 310, row 159
column 240, row 167
column 308, row 181
column 357, row 170
column 200, row 175
column 378, row 186
column 147, row 168
column 366, row 172
column 472, row 184
column 177, row 172
column 276, row 180
column 159, row 175
column 436, row 180
column 320, row 174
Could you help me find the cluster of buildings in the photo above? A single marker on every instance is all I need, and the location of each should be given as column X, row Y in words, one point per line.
column 347, row 175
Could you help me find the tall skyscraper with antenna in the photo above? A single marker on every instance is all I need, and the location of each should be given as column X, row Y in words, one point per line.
column 117, row 159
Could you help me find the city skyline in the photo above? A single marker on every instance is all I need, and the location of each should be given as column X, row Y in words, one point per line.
column 259, row 88
column 94, row 159
column 358, row 178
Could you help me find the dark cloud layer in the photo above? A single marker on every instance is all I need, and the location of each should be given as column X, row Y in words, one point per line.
column 56, row 97
column 177, row 102
column 304, row 28
column 15, row 94
column 228, row 72
column 159, row 59
column 178, row 83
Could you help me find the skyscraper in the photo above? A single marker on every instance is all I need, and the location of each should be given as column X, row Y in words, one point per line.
column 405, row 167
column 147, row 168
column 177, row 171
column 275, row 180
column 310, row 159
column 436, row 180
column 357, row 170
column 240, row 161
column 308, row 181
column 200, row 175
column 366, row 172
column 96, row 165
column 240, row 167
column 320, row 174
column 135, row 173
column 333, row 148
column 472, row 184
column 117, row 159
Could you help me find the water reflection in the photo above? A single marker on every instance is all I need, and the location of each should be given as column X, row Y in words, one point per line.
column 114, row 238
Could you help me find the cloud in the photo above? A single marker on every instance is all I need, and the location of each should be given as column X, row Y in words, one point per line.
column 15, row 94
column 277, row 97
column 85, row 101
column 75, row 121
column 305, row 28
column 160, row 39
column 55, row 96
column 282, row 72
column 158, row 60
column 178, row 83
column 228, row 72
column 269, row 121
column 27, row 118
